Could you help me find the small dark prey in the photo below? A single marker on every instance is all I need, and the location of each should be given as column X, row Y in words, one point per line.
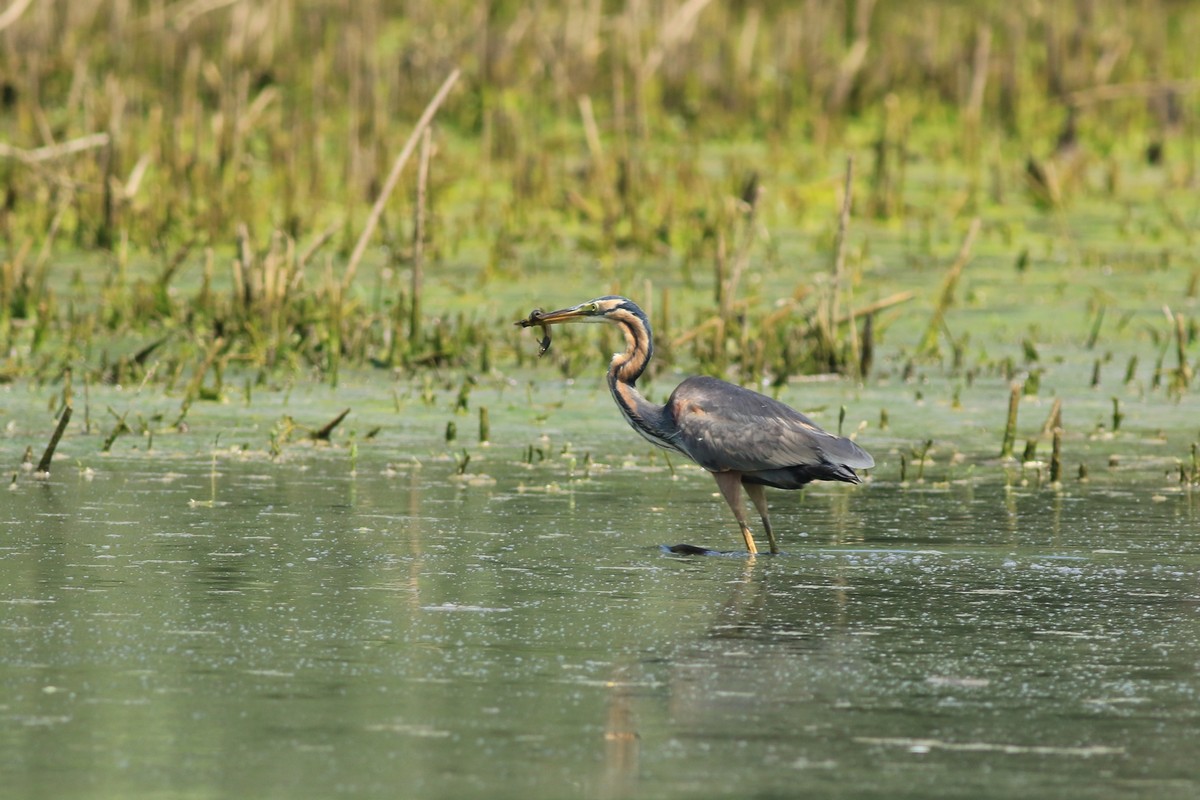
column 535, row 318
column 745, row 439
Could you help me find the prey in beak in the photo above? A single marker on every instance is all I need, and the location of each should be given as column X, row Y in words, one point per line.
column 535, row 318
column 584, row 312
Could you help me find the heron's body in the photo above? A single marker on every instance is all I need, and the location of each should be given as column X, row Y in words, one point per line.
column 742, row 437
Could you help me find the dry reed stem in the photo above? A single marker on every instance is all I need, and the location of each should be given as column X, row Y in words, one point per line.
column 679, row 27
column 13, row 13
column 686, row 337
column 377, row 210
column 182, row 14
column 852, row 63
column 1118, row 91
column 879, row 305
column 1054, row 418
column 134, row 182
column 53, row 151
column 591, row 130
column 929, row 341
column 979, row 73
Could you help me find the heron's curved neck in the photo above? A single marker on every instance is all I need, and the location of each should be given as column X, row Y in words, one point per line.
column 627, row 367
column 647, row 418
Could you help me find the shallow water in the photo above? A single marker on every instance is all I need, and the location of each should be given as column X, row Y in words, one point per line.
column 221, row 624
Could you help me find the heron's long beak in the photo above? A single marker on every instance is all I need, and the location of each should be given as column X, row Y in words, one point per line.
column 572, row 314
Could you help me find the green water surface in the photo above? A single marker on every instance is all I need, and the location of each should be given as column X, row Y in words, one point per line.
column 190, row 617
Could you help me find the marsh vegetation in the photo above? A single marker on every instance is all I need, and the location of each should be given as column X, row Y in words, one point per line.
column 185, row 183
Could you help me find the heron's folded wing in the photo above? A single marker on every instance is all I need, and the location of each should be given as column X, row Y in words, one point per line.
column 748, row 432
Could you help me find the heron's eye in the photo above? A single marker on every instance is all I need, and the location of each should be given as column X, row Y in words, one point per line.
column 592, row 308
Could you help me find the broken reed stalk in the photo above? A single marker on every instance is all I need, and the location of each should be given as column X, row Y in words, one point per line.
column 323, row 434
column 118, row 429
column 418, row 257
column 1056, row 457
column 1054, row 418
column 949, row 284
column 43, row 467
column 921, row 457
column 1010, row 427
column 393, row 177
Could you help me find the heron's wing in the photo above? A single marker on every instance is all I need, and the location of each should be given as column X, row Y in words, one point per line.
column 725, row 427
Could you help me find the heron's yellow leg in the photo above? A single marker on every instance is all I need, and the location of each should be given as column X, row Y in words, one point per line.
column 730, row 484
column 759, row 496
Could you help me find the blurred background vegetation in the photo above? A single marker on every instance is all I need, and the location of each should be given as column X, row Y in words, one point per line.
column 183, row 182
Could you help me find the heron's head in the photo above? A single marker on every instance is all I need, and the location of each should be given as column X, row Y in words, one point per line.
column 622, row 312
column 603, row 309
